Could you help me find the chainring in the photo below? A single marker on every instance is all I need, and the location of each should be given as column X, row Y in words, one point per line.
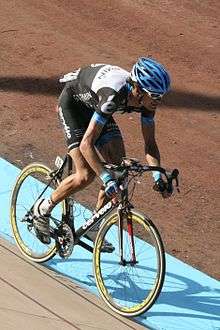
column 65, row 241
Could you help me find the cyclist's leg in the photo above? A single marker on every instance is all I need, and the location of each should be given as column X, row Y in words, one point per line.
column 82, row 177
column 77, row 181
column 111, row 147
column 74, row 121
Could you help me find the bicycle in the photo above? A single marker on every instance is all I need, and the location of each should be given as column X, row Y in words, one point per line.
column 130, row 278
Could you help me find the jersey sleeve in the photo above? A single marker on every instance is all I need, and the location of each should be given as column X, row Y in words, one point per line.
column 107, row 101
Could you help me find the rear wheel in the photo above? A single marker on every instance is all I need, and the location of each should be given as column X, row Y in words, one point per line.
column 129, row 288
column 30, row 184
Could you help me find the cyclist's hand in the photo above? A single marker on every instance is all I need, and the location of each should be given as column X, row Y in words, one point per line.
column 163, row 188
column 111, row 188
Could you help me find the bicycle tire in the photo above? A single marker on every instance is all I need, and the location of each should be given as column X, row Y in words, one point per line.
column 123, row 293
column 28, row 187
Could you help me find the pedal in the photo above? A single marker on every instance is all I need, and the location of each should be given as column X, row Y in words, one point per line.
column 108, row 248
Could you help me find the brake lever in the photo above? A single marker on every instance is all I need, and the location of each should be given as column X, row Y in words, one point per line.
column 171, row 177
column 177, row 185
column 174, row 176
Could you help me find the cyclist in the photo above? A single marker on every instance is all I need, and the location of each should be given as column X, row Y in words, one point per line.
column 91, row 95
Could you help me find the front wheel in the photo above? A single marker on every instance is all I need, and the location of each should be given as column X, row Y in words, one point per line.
column 129, row 280
column 33, row 182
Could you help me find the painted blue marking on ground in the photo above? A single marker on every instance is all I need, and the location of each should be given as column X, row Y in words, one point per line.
column 190, row 299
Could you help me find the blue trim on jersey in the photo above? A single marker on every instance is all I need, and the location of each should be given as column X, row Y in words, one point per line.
column 106, row 138
column 147, row 120
column 98, row 118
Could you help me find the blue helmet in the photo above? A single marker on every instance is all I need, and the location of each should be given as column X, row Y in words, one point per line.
column 151, row 76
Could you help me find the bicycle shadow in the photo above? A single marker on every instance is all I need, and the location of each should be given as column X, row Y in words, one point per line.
column 191, row 297
column 183, row 297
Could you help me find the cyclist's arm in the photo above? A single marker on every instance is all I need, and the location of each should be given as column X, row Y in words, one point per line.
column 152, row 153
column 148, row 130
column 105, row 109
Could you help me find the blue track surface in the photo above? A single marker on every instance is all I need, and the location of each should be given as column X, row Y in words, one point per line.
column 190, row 299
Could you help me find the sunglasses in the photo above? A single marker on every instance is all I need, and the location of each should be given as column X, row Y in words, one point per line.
column 154, row 96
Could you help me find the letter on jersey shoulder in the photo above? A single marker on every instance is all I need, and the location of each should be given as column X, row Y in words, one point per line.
column 96, row 64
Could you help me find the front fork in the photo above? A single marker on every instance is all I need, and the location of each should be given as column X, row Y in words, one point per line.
column 125, row 217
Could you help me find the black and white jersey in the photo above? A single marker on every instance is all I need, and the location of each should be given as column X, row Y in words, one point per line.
column 94, row 93
column 101, row 87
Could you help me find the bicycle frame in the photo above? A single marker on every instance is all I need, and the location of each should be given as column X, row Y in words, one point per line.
column 123, row 207
column 121, row 202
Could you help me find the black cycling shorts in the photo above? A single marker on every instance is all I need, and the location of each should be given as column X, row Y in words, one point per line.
column 75, row 117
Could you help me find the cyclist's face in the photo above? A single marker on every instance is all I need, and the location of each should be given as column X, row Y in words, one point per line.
column 148, row 102
column 141, row 98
